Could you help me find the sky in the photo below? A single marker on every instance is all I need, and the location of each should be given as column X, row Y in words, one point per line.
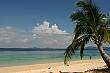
column 39, row 23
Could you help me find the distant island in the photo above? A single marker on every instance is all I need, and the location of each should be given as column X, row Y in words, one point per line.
column 46, row 49
column 30, row 49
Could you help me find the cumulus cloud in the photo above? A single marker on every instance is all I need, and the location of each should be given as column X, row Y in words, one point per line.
column 42, row 35
column 50, row 36
column 45, row 28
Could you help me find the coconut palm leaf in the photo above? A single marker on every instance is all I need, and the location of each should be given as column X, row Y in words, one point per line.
column 80, row 4
column 77, row 43
column 70, row 50
column 107, row 35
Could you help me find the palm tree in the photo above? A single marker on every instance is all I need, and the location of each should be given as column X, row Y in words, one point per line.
column 91, row 26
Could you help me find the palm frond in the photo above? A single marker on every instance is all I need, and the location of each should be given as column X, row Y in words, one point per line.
column 79, row 30
column 76, row 43
column 84, row 40
column 68, row 53
column 107, row 35
column 82, row 29
column 101, row 33
column 91, row 11
column 104, row 15
column 80, row 4
column 79, row 16
column 70, row 50
column 107, row 23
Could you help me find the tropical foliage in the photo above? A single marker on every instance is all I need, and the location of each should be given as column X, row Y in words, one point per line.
column 91, row 26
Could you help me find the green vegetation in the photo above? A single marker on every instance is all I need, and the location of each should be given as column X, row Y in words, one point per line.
column 91, row 26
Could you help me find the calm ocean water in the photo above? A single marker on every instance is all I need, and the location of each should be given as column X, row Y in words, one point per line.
column 26, row 56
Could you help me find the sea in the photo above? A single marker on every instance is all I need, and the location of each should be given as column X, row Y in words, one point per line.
column 28, row 56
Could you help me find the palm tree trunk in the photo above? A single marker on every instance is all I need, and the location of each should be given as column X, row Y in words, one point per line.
column 105, row 57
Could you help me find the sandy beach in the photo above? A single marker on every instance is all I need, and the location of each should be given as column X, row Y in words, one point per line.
column 73, row 66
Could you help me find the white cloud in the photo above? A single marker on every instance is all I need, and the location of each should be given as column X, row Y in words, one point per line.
column 51, row 36
column 45, row 28
column 11, row 35
column 42, row 35
column 48, row 42
column 8, row 27
column 25, row 40
column 6, row 34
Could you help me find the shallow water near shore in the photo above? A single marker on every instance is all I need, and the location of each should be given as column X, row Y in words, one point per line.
column 15, row 58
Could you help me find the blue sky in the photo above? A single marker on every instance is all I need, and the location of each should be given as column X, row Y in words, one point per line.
column 26, row 13
column 21, row 22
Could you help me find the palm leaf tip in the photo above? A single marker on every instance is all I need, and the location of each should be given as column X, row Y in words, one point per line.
column 66, row 58
column 69, row 51
column 67, row 54
column 80, row 4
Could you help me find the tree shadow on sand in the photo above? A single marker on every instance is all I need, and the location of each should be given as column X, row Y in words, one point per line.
column 70, row 72
column 99, row 70
column 67, row 72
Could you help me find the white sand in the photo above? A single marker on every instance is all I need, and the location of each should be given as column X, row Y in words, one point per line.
column 74, row 66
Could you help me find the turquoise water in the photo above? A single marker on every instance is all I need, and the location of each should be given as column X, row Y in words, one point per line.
column 14, row 58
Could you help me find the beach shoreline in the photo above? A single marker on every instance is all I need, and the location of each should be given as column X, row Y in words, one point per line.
column 73, row 66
